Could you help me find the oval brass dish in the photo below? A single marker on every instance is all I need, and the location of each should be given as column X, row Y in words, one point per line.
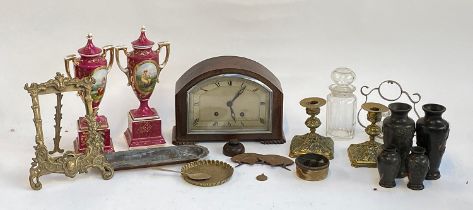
column 219, row 171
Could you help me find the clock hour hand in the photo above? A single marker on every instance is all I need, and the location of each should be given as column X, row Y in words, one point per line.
column 233, row 114
column 230, row 103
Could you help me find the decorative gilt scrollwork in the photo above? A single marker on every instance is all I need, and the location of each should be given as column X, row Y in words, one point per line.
column 69, row 163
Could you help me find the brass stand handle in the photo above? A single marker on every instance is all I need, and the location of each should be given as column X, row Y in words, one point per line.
column 168, row 170
column 111, row 51
column 117, row 57
column 413, row 98
column 193, row 176
column 166, row 57
column 67, row 59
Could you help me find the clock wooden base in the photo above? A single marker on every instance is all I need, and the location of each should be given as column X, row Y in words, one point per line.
column 144, row 131
column 180, row 141
column 80, row 144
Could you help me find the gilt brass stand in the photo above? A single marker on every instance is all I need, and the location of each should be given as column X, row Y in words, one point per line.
column 69, row 163
column 365, row 154
column 312, row 142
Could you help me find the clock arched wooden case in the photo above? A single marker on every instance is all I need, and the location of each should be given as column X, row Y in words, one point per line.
column 228, row 97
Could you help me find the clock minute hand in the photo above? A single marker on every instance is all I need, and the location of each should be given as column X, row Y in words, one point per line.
column 238, row 93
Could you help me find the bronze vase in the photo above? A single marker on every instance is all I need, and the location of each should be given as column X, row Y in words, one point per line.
column 432, row 134
column 388, row 163
column 398, row 131
column 418, row 165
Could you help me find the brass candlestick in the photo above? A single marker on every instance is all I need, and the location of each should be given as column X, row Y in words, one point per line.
column 365, row 154
column 312, row 142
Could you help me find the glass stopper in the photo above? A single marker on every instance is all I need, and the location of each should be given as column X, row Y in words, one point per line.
column 343, row 76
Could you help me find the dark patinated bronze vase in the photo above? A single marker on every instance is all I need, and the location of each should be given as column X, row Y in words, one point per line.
column 432, row 134
column 398, row 131
column 418, row 166
column 388, row 163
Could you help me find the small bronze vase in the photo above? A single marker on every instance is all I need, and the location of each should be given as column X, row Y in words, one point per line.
column 432, row 134
column 388, row 163
column 398, row 131
column 418, row 165
column 233, row 147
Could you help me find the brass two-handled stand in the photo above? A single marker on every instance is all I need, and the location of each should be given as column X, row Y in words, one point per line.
column 365, row 154
column 381, row 92
column 312, row 142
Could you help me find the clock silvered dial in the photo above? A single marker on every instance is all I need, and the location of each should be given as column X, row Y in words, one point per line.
column 229, row 102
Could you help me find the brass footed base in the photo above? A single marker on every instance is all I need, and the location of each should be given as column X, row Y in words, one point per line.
column 311, row 143
column 364, row 154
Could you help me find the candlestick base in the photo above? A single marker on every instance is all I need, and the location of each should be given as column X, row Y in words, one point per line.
column 364, row 154
column 80, row 144
column 311, row 143
column 143, row 131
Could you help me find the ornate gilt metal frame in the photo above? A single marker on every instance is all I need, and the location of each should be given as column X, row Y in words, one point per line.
column 69, row 163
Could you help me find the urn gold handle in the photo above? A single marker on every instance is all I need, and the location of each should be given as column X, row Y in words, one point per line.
column 67, row 60
column 166, row 57
column 111, row 51
column 117, row 57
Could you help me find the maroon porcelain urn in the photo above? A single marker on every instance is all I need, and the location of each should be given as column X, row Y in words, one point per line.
column 92, row 63
column 143, row 69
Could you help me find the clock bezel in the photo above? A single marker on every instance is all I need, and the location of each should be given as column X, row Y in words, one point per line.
column 227, row 65
column 241, row 131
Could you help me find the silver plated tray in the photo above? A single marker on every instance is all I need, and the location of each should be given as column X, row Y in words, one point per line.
column 159, row 156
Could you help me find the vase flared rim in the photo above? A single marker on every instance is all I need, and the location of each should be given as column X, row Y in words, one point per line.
column 399, row 107
column 418, row 150
column 391, row 148
column 434, row 108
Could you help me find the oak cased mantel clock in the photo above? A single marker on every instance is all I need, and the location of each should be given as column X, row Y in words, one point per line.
column 228, row 97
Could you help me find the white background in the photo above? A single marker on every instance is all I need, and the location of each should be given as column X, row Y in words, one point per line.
column 426, row 45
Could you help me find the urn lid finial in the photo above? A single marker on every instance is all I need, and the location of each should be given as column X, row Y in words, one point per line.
column 89, row 49
column 142, row 42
